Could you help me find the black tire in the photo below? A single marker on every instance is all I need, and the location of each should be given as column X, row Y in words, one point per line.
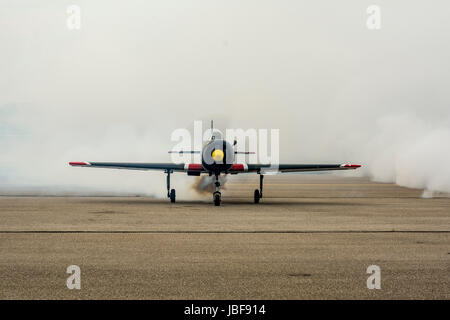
column 217, row 199
column 257, row 196
column 172, row 196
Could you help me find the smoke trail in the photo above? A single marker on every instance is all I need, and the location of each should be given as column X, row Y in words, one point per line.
column 411, row 152
column 206, row 184
column 117, row 88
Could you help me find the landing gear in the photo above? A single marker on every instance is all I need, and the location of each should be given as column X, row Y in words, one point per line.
column 170, row 193
column 217, row 195
column 217, row 198
column 257, row 196
column 258, row 193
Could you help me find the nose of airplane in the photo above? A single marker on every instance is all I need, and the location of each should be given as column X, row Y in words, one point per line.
column 217, row 155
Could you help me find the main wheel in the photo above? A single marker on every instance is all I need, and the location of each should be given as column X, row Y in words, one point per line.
column 217, row 199
column 257, row 196
column 172, row 195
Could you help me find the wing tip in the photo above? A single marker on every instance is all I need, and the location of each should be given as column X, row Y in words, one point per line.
column 79, row 163
column 350, row 166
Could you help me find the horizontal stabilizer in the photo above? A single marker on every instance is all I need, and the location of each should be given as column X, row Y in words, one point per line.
column 182, row 151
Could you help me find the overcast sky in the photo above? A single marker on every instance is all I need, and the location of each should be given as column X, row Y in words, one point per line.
column 137, row 70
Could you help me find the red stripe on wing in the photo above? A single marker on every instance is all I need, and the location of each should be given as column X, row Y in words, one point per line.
column 351, row 165
column 195, row 166
column 237, row 167
column 78, row 163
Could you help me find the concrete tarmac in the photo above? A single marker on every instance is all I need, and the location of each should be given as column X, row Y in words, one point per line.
column 311, row 237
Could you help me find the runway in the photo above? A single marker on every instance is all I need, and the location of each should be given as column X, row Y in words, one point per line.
column 311, row 237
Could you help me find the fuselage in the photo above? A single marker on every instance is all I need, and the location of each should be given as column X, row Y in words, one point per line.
column 217, row 156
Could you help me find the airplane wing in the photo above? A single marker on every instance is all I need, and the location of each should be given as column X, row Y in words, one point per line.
column 299, row 167
column 195, row 169
column 132, row 165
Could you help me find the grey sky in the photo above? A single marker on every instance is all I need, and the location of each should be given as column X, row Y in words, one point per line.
column 137, row 70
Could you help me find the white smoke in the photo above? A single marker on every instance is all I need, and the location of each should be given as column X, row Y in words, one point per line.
column 136, row 71
column 206, row 184
column 411, row 153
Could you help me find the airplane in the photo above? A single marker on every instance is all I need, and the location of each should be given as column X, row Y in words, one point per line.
column 218, row 157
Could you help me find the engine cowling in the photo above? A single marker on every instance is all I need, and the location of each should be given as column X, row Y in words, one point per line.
column 218, row 156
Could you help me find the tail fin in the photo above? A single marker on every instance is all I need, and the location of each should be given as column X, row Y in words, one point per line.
column 212, row 130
